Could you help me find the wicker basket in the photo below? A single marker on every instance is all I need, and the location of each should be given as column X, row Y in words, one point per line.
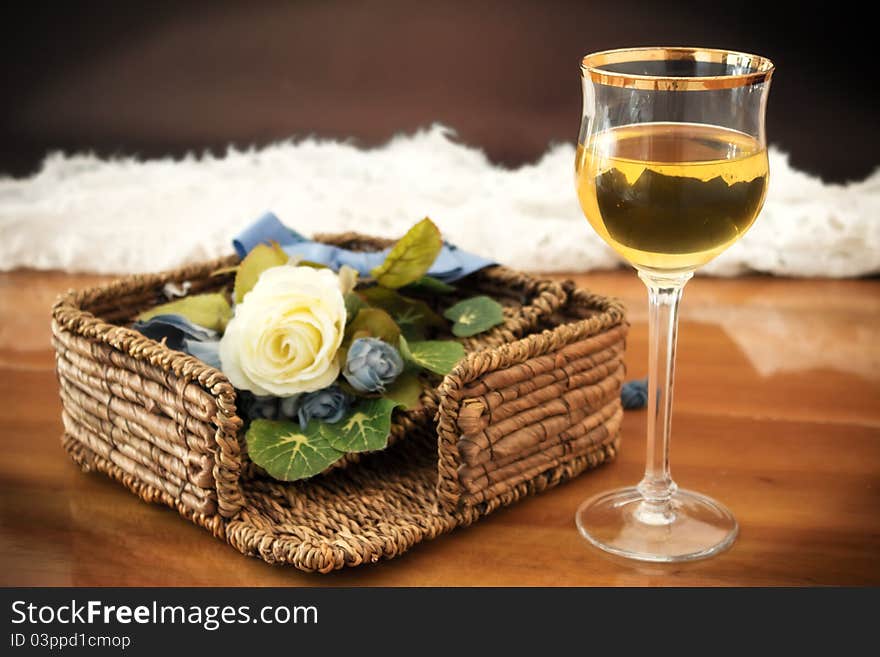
column 534, row 402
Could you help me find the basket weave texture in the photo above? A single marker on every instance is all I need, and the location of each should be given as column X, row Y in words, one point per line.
column 535, row 401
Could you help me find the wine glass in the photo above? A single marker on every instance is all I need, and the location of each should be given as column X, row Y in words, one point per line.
column 671, row 170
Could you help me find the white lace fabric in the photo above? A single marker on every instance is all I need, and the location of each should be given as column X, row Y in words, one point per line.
column 81, row 213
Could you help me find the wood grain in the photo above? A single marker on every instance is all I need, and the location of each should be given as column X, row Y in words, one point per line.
column 777, row 415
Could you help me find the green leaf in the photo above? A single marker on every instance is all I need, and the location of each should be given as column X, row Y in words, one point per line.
column 430, row 285
column 210, row 310
column 406, row 390
column 312, row 264
column 413, row 316
column 261, row 258
column 224, row 270
column 474, row 315
column 366, row 429
column 372, row 323
column 411, row 257
column 438, row 356
column 286, row 452
column 353, row 305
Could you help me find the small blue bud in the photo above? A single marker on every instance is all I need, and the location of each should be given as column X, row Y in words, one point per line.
column 288, row 407
column 265, row 408
column 328, row 405
column 371, row 365
column 634, row 394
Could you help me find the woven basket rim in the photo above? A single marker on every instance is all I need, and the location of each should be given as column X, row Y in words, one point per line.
column 192, row 368
column 185, row 365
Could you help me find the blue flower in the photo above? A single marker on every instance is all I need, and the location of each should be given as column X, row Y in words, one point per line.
column 634, row 394
column 265, row 408
column 288, row 407
column 329, row 405
column 371, row 365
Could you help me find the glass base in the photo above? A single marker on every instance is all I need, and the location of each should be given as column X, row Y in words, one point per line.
column 622, row 523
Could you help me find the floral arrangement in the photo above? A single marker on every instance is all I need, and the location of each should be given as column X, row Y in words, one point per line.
column 322, row 356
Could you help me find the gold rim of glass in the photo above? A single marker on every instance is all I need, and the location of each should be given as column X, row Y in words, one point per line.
column 757, row 69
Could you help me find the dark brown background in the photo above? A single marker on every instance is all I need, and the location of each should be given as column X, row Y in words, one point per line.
column 158, row 78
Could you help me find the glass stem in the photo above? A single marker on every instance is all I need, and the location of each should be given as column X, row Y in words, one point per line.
column 657, row 487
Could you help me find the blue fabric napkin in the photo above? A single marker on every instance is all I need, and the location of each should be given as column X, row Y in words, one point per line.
column 174, row 329
column 181, row 334
column 450, row 265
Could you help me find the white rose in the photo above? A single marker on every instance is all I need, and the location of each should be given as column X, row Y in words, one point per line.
column 285, row 333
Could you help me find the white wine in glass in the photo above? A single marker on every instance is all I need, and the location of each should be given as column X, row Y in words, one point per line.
column 671, row 169
column 671, row 196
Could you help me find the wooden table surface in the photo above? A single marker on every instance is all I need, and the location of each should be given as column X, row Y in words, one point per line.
column 776, row 414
